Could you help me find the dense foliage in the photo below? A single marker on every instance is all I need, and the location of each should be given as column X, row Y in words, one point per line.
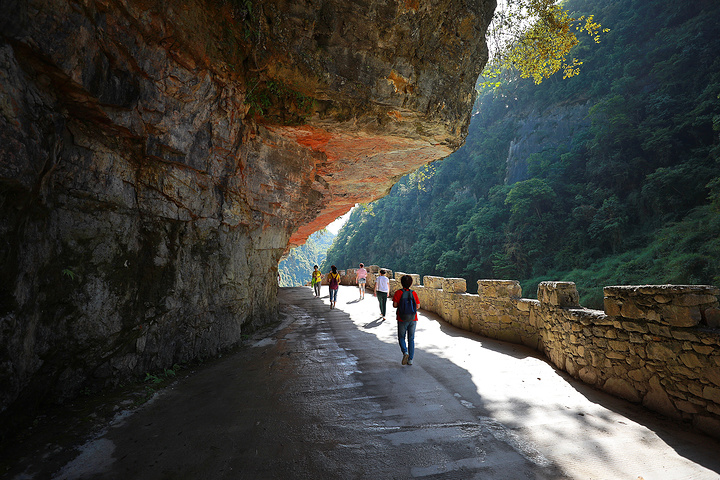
column 296, row 268
column 630, row 195
column 534, row 38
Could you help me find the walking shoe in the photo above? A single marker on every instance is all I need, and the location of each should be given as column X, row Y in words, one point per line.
column 405, row 358
column 409, row 361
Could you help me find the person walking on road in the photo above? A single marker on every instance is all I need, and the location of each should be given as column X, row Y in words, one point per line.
column 406, row 302
column 382, row 289
column 333, row 279
column 361, row 277
column 316, row 280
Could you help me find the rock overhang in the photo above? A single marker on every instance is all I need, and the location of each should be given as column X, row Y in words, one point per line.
column 166, row 155
column 392, row 85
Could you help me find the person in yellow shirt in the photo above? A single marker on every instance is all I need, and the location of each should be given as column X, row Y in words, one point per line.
column 316, row 280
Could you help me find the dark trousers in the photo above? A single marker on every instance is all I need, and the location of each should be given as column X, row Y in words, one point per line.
column 382, row 299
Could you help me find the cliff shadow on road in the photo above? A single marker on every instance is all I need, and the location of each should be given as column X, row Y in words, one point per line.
column 325, row 396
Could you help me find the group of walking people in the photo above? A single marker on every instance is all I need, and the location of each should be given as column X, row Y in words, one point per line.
column 405, row 301
column 333, row 281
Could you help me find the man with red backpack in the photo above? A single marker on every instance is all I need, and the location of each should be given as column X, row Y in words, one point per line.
column 406, row 302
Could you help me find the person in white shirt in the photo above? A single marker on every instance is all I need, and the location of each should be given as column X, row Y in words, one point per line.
column 382, row 289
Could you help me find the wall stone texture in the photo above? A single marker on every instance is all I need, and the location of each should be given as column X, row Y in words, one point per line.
column 158, row 158
column 658, row 345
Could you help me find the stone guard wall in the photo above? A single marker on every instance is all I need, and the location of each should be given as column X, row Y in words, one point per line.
column 658, row 345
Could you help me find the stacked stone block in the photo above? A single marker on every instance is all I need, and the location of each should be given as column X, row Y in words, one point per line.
column 415, row 277
column 347, row 277
column 658, row 345
column 668, row 337
column 652, row 345
column 374, row 272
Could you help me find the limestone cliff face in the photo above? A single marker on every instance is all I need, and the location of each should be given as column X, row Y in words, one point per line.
column 157, row 158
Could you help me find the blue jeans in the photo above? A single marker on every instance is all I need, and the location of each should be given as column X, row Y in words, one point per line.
column 407, row 328
column 333, row 295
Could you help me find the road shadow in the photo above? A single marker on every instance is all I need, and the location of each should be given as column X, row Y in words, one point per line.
column 325, row 396
column 388, row 407
column 596, row 427
column 675, row 433
column 374, row 323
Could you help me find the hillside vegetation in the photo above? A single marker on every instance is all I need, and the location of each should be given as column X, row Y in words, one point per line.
column 296, row 268
column 610, row 177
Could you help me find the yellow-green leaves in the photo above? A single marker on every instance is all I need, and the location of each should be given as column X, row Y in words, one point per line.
column 534, row 38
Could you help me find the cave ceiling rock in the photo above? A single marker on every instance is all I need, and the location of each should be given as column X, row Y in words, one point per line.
column 157, row 158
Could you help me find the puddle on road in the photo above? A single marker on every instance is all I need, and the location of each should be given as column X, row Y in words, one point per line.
column 95, row 457
column 265, row 342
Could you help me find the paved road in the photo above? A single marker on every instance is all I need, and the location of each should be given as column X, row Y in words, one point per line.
column 326, row 397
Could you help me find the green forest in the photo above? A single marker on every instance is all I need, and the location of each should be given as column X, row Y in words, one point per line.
column 611, row 177
column 296, row 268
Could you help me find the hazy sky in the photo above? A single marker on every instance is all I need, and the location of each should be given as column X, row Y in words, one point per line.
column 335, row 226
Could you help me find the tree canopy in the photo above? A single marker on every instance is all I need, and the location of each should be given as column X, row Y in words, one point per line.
column 534, row 38
column 296, row 268
column 608, row 177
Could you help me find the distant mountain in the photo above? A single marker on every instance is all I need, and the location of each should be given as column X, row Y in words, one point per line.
column 296, row 268
column 610, row 177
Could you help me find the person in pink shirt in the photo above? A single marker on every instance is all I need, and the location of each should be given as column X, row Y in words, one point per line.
column 361, row 277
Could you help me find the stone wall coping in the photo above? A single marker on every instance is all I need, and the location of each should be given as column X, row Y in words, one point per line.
column 454, row 285
column 530, row 301
column 673, row 305
column 558, row 294
column 431, row 281
column 436, row 282
column 595, row 316
column 658, row 345
column 462, row 294
column 653, row 289
column 415, row 277
column 497, row 282
column 499, row 289
column 558, row 284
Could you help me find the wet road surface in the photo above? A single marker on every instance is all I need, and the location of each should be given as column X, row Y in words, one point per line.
column 325, row 396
